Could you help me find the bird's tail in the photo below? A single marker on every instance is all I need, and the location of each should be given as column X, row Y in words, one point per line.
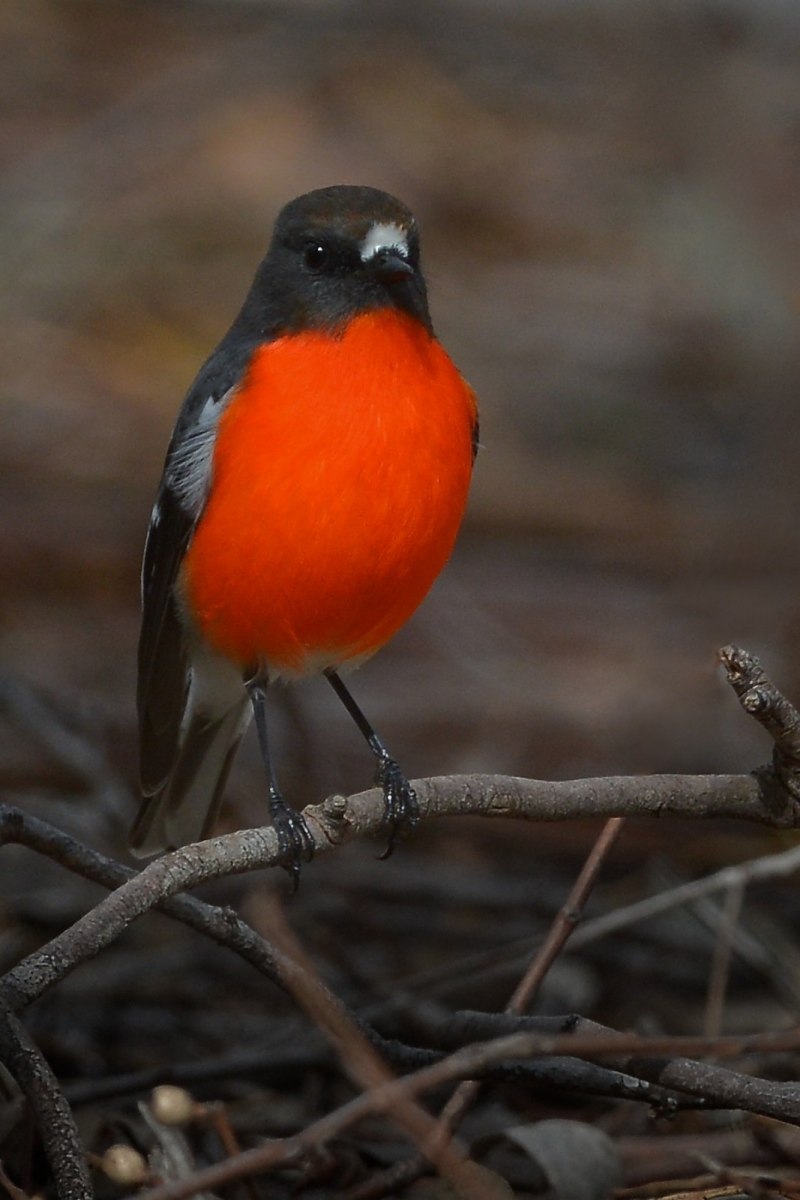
column 185, row 807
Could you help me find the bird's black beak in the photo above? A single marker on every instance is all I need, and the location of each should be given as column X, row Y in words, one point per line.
column 390, row 267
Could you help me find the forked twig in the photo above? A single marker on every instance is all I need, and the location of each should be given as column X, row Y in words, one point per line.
column 768, row 795
column 563, row 925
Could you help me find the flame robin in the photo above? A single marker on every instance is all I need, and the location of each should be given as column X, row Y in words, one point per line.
column 312, row 492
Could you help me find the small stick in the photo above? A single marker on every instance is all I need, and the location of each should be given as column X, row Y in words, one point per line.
column 721, row 963
column 54, row 1119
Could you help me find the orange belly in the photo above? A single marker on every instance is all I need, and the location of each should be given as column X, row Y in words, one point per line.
column 340, row 476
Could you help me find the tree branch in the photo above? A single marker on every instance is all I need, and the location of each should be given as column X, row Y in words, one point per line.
column 336, row 820
column 53, row 1116
column 759, row 697
column 769, row 795
column 748, row 797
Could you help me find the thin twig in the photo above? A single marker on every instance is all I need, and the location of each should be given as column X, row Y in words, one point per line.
column 721, row 963
column 364, row 1065
column 564, row 1073
column 767, row 866
column 54, row 1120
column 13, row 1192
column 739, row 875
column 332, row 823
column 761, row 796
column 562, row 927
column 733, row 1090
column 760, row 698
column 767, row 795
column 220, row 924
column 566, row 919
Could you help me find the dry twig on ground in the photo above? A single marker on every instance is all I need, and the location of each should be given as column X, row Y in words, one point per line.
column 767, row 795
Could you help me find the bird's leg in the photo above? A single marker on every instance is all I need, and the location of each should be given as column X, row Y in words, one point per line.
column 294, row 837
column 399, row 798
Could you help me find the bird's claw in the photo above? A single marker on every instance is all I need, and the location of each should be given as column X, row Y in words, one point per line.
column 401, row 809
column 295, row 843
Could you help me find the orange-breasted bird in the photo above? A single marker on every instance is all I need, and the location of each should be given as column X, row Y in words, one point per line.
column 312, row 492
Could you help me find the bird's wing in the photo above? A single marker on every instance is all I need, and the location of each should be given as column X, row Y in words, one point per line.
column 164, row 645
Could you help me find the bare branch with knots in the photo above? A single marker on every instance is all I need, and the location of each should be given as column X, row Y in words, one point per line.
column 769, row 795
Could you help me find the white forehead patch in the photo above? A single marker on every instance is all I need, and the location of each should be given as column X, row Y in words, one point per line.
column 384, row 237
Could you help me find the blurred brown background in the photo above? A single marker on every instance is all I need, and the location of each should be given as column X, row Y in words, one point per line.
column 608, row 193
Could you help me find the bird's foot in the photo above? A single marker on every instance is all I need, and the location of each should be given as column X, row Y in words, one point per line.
column 295, row 843
column 401, row 809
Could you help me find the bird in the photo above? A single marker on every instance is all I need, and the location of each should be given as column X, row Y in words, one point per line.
column 312, row 491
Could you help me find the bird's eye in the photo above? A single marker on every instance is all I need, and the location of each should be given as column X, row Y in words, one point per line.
column 316, row 256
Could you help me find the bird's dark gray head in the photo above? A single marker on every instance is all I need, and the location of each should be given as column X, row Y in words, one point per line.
column 335, row 253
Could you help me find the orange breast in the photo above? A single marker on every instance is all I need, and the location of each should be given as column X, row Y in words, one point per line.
column 340, row 476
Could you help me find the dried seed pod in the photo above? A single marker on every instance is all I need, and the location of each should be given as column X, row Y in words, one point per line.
column 172, row 1105
column 124, row 1165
